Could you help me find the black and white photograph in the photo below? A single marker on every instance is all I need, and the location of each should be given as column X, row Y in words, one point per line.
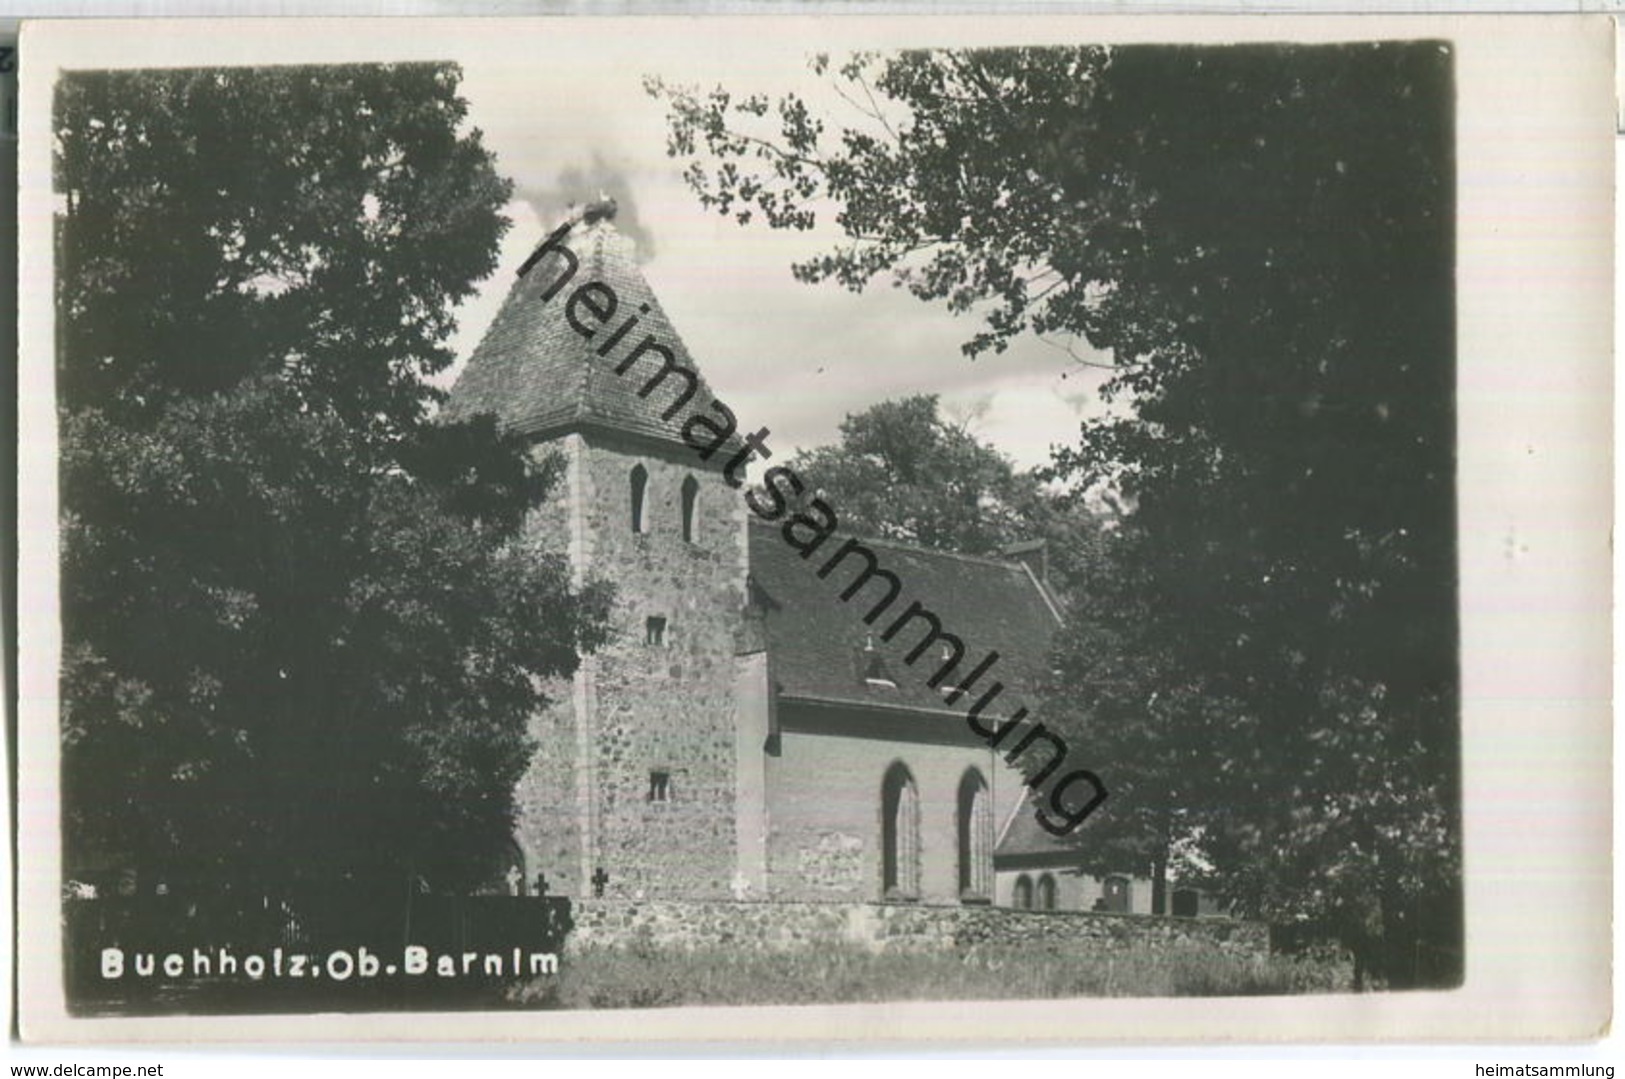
column 556, row 520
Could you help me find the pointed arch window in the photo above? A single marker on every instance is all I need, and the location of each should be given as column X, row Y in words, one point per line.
column 691, row 492
column 1045, row 899
column 639, row 485
column 1021, row 896
column 975, row 829
column 899, row 835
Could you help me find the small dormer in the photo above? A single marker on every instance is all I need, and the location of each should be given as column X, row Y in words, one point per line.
column 872, row 667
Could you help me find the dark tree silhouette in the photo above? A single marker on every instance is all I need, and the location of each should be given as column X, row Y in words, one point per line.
column 1260, row 238
column 303, row 627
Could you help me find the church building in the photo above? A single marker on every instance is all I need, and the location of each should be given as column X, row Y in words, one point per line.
column 745, row 733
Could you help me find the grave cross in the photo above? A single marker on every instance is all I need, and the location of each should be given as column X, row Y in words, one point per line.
column 599, row 879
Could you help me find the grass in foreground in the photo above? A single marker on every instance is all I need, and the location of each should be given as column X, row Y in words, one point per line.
column 648, row 977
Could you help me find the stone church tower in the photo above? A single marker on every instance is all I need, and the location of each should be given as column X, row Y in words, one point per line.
column 637, row 789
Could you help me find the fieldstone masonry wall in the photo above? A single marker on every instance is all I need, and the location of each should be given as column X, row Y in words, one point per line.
column 789, row 926
column 666, row 706
column 825, row 799
column 640, row 706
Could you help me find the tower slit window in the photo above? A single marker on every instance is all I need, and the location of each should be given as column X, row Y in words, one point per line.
column 691, row 492
column 640, row 483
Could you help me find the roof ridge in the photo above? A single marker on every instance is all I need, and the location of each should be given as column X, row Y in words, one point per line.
column 917, row 548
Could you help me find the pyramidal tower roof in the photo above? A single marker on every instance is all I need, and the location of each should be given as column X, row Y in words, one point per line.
column 540, row 376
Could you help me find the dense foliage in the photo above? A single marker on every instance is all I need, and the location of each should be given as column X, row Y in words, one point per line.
column 303, row 630
column 903, row 472
column 1265, row 660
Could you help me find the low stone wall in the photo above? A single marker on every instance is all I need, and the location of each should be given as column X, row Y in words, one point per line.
column 790, row 926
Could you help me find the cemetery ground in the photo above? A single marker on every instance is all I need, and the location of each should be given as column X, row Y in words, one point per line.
column 647, row 976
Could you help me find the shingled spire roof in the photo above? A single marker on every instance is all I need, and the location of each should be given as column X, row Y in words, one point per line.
column 540, row 377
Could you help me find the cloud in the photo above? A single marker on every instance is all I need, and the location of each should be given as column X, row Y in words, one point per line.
column 579, row 183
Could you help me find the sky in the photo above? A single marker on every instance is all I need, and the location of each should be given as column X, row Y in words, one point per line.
column 793, row 357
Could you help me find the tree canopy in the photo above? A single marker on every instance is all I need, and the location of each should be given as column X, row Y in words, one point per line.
column 901, row 471
column 1261, row 240
column 320, row 223
column 304, row 628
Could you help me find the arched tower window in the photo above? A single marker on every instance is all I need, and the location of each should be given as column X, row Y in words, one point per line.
column 1021, row 896
column 899, row 835
column 691, row 491
column 640, row 481
column 975, row 829
column 1046, row 892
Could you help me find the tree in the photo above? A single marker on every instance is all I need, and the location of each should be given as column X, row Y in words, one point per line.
column 902, row 472
column 303, row 626
column 1122, row 689
column 1261, row 239
column 317, row 222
